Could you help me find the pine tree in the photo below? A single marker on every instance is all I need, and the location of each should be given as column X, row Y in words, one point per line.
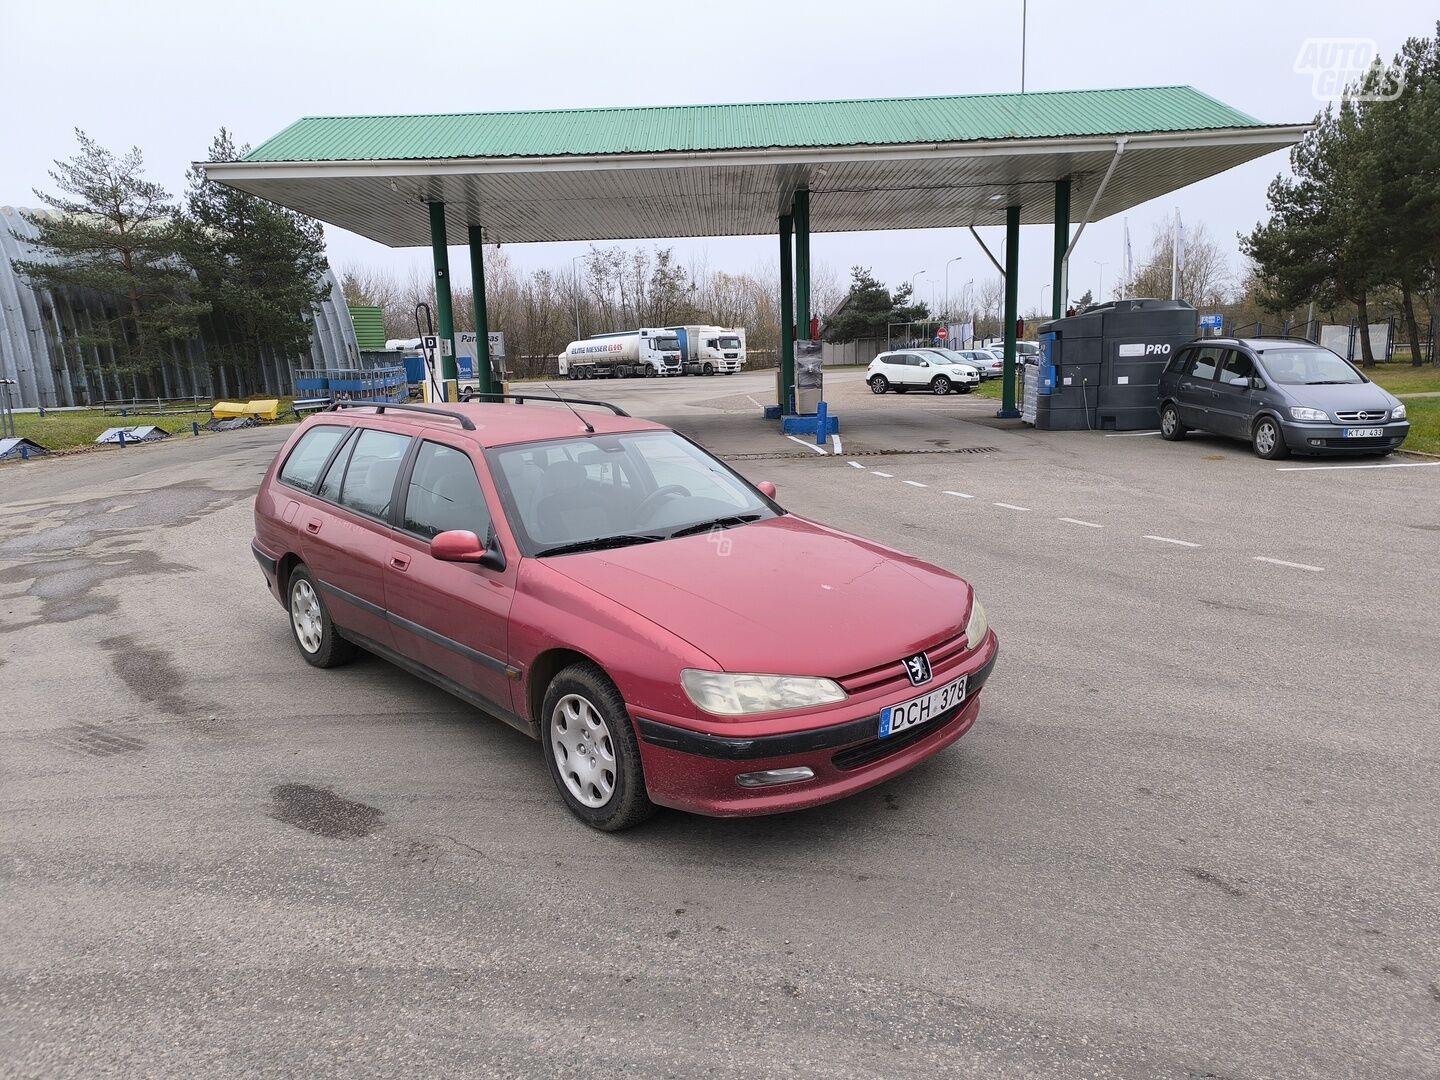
column 259, row 266
column 117, row 233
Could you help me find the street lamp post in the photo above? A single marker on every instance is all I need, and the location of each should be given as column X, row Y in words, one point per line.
column 1042, row 294
column 912, row 286
column 1100, row 296
column 948, row 314
column 575, row 281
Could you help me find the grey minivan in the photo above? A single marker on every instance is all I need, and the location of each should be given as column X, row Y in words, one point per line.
column 1281, row 394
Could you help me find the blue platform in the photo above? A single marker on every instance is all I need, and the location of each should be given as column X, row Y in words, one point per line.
column 809, row 425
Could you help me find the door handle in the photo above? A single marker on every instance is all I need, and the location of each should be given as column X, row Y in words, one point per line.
column 400, row 561
column 313, row 525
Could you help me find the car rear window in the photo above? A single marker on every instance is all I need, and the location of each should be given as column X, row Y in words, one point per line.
column 302, row 467
column 370, row 477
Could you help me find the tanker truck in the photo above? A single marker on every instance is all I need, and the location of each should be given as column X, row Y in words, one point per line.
column 707, row 350
column 644, row 352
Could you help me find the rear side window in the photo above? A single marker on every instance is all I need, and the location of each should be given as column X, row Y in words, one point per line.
column 444, row 494
column 1206, row 361
column 302, row 467
column 370, row 476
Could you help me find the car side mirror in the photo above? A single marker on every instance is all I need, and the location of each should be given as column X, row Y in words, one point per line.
column 1257, row 384
column 463, row 546
column 924, row 363
column 766, row 488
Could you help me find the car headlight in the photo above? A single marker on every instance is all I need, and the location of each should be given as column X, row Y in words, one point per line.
column 724, row 694
column 977, row 626
column 1308, row 414
column 1398, row 413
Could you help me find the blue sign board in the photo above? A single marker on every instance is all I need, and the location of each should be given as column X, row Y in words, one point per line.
column 1212, row 322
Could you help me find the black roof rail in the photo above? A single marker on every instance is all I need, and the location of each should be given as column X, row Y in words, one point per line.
column 522, row 398
column 381, row 406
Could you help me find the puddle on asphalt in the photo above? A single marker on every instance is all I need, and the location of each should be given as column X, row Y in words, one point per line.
column 323, row 813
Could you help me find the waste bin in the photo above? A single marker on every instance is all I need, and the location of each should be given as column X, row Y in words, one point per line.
column 1099, row 370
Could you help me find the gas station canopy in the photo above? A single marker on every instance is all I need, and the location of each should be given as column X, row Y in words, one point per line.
column 733, row 170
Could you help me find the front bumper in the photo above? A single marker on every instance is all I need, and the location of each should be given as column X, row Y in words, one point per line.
column 695, row 770
column 1305, row 438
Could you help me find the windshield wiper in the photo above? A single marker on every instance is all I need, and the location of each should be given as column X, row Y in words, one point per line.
column 599, row 543
column 715, row 523
column 1329, row 382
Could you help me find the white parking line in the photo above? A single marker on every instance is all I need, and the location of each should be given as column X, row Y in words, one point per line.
column 1292, row 565
column 1387, row 465
column 914, row 483
column 959, row 494
column 1170, row 540
column 1128, row 434
column 838, row 448
column 1087, row 524
column 1012, row 506
column 754, row 402
column 886, row 475
column 855, row 465
column 804, row 442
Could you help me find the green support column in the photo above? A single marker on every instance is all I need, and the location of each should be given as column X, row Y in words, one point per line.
column 787, row 315
column 802, row 264
column 1062, row 241
column 486, row 384
column 444, row 305
column 1008, row 410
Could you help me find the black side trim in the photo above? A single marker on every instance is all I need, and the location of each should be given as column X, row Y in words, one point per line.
column 423, row 631
column 450, row 686
column 266, row 562
column 764, row 746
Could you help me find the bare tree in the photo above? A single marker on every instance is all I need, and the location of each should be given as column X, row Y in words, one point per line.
column 1205, row 279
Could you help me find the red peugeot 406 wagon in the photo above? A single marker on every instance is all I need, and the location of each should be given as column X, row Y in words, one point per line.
column 665, row 629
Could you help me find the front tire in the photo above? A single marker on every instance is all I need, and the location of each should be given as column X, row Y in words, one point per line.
column 940, row 386
column 1268, row 440
column 591, row 750
column 1171, row 429
column 879, row 384
column 315, row 635
column 708, row 369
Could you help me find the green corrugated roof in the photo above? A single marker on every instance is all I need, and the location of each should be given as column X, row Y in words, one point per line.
column 702, row 128
column 369, row 327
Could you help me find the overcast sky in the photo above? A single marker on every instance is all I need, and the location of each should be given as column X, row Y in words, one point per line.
column 165, row 76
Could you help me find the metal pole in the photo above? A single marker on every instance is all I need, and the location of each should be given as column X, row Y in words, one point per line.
column 1024, row 26
column 483, row 372
column 1100, row 295
column 1008, row 411
column 1062, row 245
column 575, row 280
column 787, row 314
column 802, row 264
column 948, row 314
column 444, row 305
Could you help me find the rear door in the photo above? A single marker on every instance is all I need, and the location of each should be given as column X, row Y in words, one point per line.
column 451, row 617
column 345, row 534
column 1231, row 397
column 1194, row 394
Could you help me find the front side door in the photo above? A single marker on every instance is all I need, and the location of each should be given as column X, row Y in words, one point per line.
column 1230, row 408
column 343, row 532
column 451, row 617
column 1197, row 381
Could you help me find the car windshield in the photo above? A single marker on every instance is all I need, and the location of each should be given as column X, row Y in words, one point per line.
column 603, row 491
column 945, row 356
column 1307, row 367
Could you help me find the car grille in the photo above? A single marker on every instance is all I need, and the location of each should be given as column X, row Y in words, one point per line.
column 892, row 676
column 1364, row 416
column 873, row 750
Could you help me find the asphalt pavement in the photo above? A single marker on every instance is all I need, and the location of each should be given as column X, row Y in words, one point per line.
column 1192, row 834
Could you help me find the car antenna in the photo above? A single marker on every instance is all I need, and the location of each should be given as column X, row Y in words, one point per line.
column 589, row 430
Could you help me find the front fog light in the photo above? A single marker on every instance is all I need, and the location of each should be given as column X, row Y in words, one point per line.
column 771, row 777
column 977, row 626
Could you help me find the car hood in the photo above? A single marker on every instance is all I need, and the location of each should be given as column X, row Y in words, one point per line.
column 1345, row 397
column 782, row 596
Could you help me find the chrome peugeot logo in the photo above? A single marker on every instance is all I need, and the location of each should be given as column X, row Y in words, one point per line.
column 918, row 668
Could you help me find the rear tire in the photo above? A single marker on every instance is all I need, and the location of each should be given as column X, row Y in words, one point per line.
column 1268, row 440
column 1171, row 429
column 315, row 635
column 590, row 747
column 940, row 386
column 879, row 384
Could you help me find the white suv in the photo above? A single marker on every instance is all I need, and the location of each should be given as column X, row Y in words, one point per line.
column 920, row 369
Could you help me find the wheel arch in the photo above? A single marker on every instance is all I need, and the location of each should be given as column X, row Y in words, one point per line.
column 542, row 671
